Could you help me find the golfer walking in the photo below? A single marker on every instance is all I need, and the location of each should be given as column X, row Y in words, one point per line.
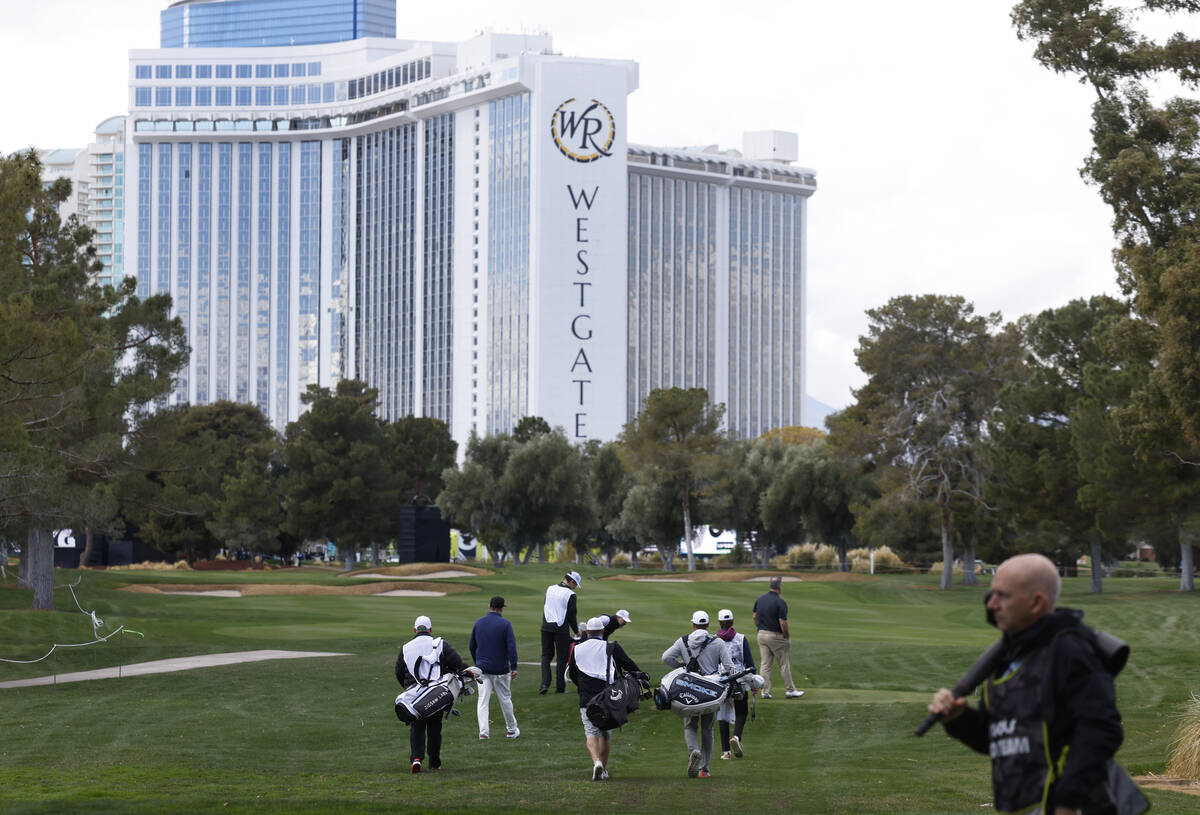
column 593, row 665
column 711, row 656
column 494, row 651
column 774, row 640
column 559, row 622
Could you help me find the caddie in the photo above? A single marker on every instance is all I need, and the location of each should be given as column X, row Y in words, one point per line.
column 703, row 654
column 422, row 660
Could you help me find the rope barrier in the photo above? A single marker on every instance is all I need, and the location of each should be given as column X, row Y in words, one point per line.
column 97, row 624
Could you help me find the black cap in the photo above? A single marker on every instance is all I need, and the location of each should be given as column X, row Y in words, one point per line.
column 496, row 602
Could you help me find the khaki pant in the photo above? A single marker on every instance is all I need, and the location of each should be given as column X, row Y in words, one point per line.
column 772, row 647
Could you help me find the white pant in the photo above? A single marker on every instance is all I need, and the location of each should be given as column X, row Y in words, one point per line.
column 500, row 684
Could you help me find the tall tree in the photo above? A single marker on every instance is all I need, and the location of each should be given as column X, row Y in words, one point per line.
column 421, row 448
column 78, row 363
column 1053, row 422
column 340, row 485
column 1145, row 160
column 183, row 457
column 821, row 484
column 542, row 488
column 675, row 440
column 933, row 369
column 471, row 500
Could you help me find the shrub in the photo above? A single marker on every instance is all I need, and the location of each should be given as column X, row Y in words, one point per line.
column 159, row 566
column 1184, row 752
column 936, row 568
column 885, row 560
column 825, row 557
column 622, row 560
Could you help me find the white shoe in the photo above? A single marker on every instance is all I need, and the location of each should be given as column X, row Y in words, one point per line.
column 597, row 771
column 604, row 775
column 795, row 694
column 726, row 756
column 512, row 734
column 735, row 745
column 766, row 695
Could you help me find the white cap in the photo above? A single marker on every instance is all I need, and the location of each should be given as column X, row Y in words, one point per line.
column 724, row 614
column 595, row 624
column 575, row 576
column 422, row 622
column 624, row 615
column 700, row 618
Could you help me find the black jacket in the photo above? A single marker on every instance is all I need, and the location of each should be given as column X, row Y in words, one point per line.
column 1081, row 704
column 450, row 662
column 589, row 686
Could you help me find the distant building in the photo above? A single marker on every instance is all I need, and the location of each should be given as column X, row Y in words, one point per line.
column 265, row 23
column 464, row 227
column 97, row 175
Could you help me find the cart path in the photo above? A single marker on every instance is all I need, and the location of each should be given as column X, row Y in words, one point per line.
column 160, row 666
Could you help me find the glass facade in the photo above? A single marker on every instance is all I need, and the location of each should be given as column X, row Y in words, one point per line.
column 202, row 332
column 183, row 253
column 386, row 265
column 262, row 284
column 508, row 262
column 437, row 322
column 673, row 278
column 765, row 263
column 283, row 243
column 309, row 266
column 253, row 23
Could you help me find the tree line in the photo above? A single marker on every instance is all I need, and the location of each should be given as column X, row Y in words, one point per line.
column 1072, row 431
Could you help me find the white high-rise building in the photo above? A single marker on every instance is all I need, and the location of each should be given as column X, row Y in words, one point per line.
column 462, row 226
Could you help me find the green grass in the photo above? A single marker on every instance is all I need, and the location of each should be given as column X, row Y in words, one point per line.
column 319, row 735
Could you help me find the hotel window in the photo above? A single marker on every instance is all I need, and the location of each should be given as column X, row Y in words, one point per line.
column 162, row 71
column 243, row 72
column 162, row 97
column 243, row 96
column 281, row 71
column 281, row 94
column 224, row 72
column 314, row 94
column 297, row 94
column 183, row 97
column 224, row 96
column 262, row 71
column 183, row 71
column 142, row 97
column 314, row 69
column 203, row 97
column 203, row 72
column 299, row 69
column 142, row 72
column 262, row 96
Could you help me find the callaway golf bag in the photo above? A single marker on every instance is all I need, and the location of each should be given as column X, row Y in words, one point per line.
column 690, row 694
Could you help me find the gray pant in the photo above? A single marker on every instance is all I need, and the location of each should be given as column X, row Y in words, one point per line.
column 702, row 740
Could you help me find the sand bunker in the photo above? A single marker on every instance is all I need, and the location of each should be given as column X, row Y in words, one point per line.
column 429, row 575
column 365, row 588
column 217, row 593
column 785, row 578
column 430, row 570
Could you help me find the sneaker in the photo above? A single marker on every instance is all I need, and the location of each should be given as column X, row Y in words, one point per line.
column 766, row 695
column 483, row 736
column 543, row 689
column 416, row 766
column 604, row 775
column 597, row 771
column 726, row 756
column 704, row 774
column 693, row 764
column 512, row 734
column 735, row 745
column 795, row 694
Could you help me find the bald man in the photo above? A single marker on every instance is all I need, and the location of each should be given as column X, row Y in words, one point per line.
column 1047, row 674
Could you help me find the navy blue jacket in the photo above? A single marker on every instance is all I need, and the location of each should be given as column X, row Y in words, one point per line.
column 493, row 644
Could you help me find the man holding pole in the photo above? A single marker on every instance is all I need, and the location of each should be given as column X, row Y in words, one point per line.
column 1048, row 714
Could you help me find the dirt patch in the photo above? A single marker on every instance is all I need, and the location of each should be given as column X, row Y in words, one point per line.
column 422, row 570
column 301, row 589
column 732, row 575
column 1164, row 782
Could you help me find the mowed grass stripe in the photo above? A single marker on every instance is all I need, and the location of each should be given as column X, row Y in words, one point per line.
column 292, row 737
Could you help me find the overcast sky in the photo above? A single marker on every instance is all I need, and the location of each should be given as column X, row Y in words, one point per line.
column 946, row 159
